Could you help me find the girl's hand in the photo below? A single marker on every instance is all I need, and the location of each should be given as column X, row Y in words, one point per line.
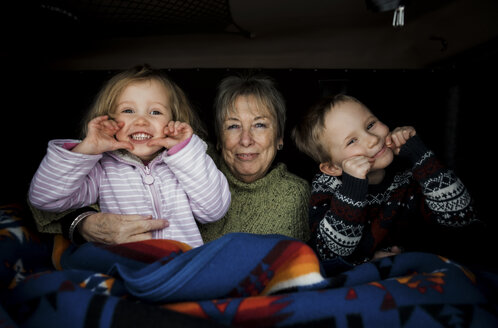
column 100, row 137
column 175, row 132
column 398, row 137
column 357, row 166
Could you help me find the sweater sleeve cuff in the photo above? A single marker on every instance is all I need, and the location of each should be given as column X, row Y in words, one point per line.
column 353, row 187
column 414, row 149
column 176, row 148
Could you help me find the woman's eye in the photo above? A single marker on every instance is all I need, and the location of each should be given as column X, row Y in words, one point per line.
column 260, row 125
column 232, row 126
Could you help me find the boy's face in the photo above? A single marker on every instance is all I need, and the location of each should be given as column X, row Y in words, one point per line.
column 144, row 109
column 351, row 130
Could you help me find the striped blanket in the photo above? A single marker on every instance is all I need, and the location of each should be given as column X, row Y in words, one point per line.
column 239, row 280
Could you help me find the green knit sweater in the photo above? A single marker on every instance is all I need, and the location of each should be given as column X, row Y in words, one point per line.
column 274, row 204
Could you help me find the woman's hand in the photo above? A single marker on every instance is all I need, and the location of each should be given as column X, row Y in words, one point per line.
column 110, row 229
column 100, row 137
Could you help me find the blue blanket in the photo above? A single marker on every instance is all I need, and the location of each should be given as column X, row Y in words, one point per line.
column 238, row 280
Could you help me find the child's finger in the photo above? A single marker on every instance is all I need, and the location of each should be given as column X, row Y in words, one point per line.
column 169, row 129
column 111, row 125
column 163, row 142
column 124, row 145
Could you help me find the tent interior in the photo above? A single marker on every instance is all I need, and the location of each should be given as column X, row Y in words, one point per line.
column 432, row 66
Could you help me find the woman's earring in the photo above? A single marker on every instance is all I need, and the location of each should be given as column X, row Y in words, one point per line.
column 280, row 146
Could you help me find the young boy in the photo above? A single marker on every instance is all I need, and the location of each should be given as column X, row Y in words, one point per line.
column 363, row 205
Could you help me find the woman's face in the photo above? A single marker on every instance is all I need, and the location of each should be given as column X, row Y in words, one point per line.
column 249, row 139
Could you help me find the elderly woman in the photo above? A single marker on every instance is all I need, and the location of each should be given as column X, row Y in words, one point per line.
column 266, row 197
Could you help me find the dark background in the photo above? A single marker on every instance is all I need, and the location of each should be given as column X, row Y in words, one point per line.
column 437, row 73
column 453, row 110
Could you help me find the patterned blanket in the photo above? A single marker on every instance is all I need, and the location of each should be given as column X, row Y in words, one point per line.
column 239, row 280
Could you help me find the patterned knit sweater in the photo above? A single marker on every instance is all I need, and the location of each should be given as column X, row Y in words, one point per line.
column 351, row 219
column 274, row 204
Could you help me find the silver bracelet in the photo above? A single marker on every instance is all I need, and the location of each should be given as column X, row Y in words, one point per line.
column 76, row 221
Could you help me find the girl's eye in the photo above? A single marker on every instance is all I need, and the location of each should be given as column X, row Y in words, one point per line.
column 127, row 111
column 369, row 126
column 155, row 112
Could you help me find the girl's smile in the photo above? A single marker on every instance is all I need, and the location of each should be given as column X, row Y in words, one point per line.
column 144, row 109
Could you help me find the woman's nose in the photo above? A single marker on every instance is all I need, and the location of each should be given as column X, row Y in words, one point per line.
column 246, row 139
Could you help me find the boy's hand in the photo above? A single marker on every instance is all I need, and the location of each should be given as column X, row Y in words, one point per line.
column 394, row 250
column 357, row 166
column 100, row 137
column 398, row 137
column 175, row 132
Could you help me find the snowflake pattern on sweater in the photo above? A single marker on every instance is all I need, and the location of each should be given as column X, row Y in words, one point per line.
column 351, row 219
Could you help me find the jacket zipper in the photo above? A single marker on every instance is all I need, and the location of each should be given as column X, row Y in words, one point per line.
column 149, row 182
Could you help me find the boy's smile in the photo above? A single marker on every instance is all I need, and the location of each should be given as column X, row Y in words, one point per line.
column 352, row 131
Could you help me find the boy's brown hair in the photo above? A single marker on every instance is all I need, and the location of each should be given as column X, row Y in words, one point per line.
column 307, row 134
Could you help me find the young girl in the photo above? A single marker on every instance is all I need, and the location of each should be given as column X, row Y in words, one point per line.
column 140, row 155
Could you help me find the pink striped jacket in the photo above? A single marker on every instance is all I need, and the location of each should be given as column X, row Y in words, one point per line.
column 181, row 188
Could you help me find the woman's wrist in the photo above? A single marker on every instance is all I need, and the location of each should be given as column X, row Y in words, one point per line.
column 73, row 234
column 70, row 222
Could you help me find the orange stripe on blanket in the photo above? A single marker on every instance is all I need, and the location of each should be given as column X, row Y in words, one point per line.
column 248, row 312
column 296, row 260
column 190, row 308
column 148, row 251
column 60, row 245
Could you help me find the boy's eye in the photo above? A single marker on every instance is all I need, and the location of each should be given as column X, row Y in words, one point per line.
column 351, row 141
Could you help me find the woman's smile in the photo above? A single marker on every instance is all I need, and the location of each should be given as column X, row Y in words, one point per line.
column 247, row 156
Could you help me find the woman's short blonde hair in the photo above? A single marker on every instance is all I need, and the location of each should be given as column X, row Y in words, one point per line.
column 105, row 101
column 307, row 134
column 261, row 87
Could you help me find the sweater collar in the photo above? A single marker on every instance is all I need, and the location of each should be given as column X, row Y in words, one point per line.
column 274, row 173
column 128, row 158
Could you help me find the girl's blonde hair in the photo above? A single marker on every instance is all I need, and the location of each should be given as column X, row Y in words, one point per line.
column 105, row 101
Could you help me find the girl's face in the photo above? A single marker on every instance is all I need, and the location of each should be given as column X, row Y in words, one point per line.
column 249, row 140
column 144, row 108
